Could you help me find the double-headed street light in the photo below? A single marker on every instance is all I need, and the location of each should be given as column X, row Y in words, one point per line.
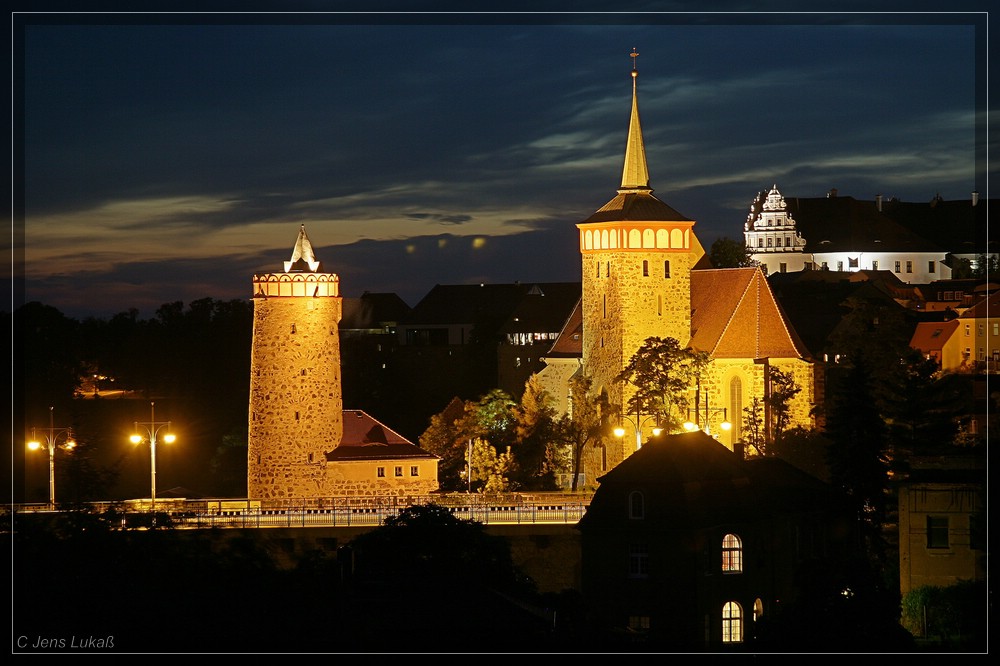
column 152, row 429
column 638, row 423
column 52, row 435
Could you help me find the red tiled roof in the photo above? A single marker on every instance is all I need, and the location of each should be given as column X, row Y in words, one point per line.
column 569, row 344
column 365, row 438
column 931, row 335
column 734, row 315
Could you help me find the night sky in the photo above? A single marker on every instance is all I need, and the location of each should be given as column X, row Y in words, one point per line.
column 168, row 158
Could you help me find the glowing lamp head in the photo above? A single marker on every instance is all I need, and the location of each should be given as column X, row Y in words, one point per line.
column 690, row 426
column 657, row 431
column 619, row 431
column 170, row 438
column 135, row 439
column 34, row 445
column 70, row 444
column 726, row 425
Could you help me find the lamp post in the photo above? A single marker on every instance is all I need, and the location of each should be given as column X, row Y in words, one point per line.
column 152, row 428
column 696, row 424
column 637, row 424
column 52, row 435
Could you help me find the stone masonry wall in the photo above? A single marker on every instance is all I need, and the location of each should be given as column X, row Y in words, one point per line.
column 296, row 399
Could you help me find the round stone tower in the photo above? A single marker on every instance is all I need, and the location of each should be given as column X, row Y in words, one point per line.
column 296, row 399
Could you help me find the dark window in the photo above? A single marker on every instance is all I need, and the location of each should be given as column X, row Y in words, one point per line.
column 636, row 505
column 937, row 531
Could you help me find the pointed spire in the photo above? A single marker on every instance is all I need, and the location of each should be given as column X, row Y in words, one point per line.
column 302, row 254
column 635, row 175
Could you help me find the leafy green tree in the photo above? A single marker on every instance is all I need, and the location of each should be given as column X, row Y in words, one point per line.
column 728, row 253
column 583, row 425
column 923, row 407
column 858, row 452
column 448, row 436
column 662, row 372
column 783, row 390
column 535, row 453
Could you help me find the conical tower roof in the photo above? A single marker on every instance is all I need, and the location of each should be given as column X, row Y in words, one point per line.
column 635, row 200
column 303, row 258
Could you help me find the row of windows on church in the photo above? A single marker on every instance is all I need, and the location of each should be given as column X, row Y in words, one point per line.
column 854, row 263
column 645, row 268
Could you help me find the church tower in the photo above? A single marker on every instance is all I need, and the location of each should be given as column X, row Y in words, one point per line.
column 637, row 255
column 296, row 399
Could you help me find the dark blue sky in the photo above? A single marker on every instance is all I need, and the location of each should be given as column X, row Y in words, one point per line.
column 169, row 160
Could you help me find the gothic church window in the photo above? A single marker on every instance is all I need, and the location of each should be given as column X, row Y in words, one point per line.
column 732, row 554
column 732, row 623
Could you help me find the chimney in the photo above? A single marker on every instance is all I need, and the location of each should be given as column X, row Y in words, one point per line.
column 975, row 199
column 738, row 449
column 878, row 202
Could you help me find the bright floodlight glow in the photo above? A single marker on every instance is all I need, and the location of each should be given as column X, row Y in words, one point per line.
column 690, row 426
column 70, row 444
column 657, row 431
column 169, row 438
column 34, row 445
column 135, row 439
column 726, row 425
column 619, row 431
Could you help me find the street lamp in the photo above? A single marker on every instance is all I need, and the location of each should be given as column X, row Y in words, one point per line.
column 637, row 424
column 152, row 428
column 696, row 424
column 52, row 435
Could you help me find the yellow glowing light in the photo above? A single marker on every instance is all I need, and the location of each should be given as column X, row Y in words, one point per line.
column 478, row 243
column 726, row 425
column 170, row 438
column 442, row 242
column 135, row 439
column 657, row 431
column 690, row 426
column 619, row 432
column 34, row 445
column 410, row 249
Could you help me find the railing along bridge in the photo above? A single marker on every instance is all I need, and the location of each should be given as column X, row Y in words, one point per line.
column 505, row 509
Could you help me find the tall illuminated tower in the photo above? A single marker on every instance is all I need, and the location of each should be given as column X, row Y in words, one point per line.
column 637, row 254
column 296, row 398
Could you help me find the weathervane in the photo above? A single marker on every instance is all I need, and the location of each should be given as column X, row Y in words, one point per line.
column 633, row 55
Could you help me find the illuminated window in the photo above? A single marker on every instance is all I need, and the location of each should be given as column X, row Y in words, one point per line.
column 645, row 268
column 638, row 560
column 996, row 329
column 414, row 470
column 399, row 470
column 937, row 531
column 736, row 406
column 381, row 472
column 732, row 623
column 638, row 623
column 636, row 505
column 758, row 609
column 732, row 554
